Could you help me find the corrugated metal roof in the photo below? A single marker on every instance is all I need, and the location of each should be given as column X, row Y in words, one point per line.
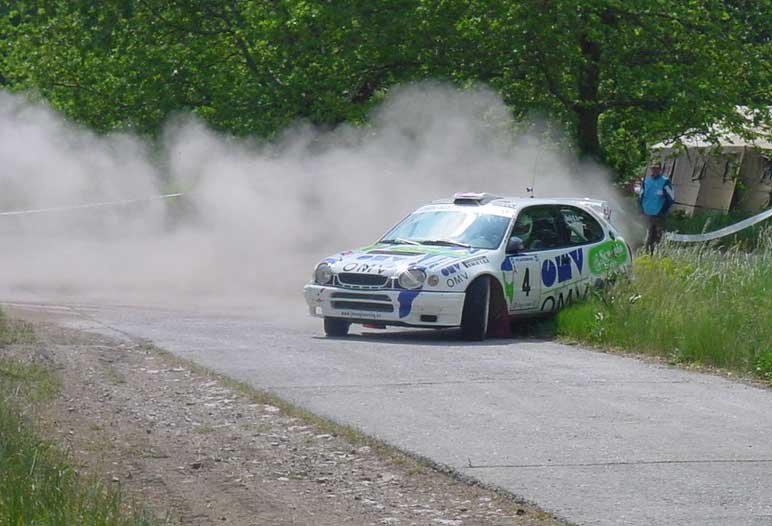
column 726, row 139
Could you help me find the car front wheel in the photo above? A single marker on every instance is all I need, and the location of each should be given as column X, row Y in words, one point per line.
column 474, row 317
column 336, row 327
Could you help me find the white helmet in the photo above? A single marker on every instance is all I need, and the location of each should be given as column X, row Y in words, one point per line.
column 523, row 227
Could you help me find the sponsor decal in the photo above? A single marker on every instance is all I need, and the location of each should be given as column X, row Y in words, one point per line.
column 452, row 269
column 557, row 300
column 559, row 269
column 405, row 300
column 358, row 314
column 455, row 276
column 506, row 204
column 509, row 274
column 441, row 262
column 607, row 256
column 480, row 260
column 508, row 278
column 457, row 279
column 364, row 268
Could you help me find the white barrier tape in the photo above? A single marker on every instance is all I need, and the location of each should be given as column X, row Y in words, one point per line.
column 89, row 205
column 731, row 229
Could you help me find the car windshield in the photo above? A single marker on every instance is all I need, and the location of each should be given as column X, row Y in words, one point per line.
column 449, row 228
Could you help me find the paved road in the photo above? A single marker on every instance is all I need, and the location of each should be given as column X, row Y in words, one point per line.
column 596, row 439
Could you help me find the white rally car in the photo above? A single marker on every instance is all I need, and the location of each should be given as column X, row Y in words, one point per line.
column 468, row 261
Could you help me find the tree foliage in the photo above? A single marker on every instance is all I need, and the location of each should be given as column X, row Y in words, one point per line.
column 618, row 74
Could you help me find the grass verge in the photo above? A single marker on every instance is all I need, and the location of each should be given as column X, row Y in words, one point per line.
column 38, row 484
column 698, row 304
column 14, row 331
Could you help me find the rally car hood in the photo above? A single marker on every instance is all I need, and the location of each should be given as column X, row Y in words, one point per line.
column 388, row 259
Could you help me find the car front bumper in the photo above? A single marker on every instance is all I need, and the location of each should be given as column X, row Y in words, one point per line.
column 389, row 307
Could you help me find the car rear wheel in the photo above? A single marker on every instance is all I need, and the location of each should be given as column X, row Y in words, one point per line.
column 336, row 327
column 474, row 317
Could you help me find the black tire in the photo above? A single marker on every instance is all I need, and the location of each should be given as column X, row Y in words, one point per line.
column 336, row 327
column 474, row 317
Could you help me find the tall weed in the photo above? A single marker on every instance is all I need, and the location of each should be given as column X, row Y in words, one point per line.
column 701, row 304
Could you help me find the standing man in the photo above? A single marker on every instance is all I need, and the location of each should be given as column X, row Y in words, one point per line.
column 655, row 200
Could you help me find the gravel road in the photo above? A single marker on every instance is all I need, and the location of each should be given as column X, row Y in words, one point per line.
column 194, row 449
column 594, row 438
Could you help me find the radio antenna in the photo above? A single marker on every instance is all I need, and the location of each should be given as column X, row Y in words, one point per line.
column 529, row 189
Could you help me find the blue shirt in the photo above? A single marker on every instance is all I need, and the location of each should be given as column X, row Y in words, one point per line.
column 656, row 195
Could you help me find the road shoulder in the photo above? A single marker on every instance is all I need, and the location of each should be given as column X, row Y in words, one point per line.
column 199, row 449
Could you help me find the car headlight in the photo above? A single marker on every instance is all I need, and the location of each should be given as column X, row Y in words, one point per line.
column 412, row 278
column 323, row 273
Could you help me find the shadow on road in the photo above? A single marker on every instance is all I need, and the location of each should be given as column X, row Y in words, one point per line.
column 522, row 330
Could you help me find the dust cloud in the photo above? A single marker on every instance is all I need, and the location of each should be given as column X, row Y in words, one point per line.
column 255, row 216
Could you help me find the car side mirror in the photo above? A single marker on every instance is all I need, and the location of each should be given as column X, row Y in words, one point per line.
column 515, row 245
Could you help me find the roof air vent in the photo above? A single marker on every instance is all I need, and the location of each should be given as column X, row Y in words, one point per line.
column 472, row 198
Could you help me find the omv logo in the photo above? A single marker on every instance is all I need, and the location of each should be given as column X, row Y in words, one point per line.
column 559, row 269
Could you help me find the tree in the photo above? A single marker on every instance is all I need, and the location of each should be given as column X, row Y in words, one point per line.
column 618, row 74
column 617, row 70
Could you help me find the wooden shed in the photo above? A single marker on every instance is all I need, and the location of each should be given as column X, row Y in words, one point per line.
column 733, row 175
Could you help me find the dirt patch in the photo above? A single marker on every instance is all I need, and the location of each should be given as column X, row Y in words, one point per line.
column 196, row 449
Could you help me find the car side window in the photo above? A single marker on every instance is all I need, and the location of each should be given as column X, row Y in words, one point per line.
column 581, row 227
column 539, row 228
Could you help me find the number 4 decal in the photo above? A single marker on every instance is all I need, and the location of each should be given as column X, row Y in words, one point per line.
column 527, row 282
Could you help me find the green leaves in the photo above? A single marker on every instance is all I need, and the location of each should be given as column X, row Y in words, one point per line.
column 617, row 74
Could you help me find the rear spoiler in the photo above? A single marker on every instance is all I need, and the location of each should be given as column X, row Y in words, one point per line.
column 597, row 205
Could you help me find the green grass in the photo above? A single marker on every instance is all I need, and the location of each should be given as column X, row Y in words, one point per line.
column 14, row 331
column 25, row 382
column 700, row 304
column 38, row 483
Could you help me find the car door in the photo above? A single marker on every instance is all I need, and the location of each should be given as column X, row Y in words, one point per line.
column 565, row 269
column 552, row 270
column 522, row 282
column 561, row 271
